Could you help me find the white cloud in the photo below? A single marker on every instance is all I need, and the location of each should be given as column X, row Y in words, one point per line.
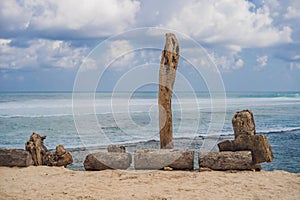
column 230, row 22
column 262, row 60
column 292, row 12
column 91, row 18
column 229, row 61
column 40, row 53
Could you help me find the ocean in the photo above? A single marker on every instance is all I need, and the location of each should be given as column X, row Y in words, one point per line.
column 132, row 120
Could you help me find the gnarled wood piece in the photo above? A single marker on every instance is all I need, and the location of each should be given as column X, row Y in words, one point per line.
column 116, row 149
column 36, row 148
column 61, row 157
column 167, row 74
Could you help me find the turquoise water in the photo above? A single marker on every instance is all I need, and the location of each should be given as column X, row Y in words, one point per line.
column 133, row 118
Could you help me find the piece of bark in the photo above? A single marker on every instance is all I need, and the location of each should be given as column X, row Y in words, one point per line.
column 167, row 75
column 107, row 160
column 227, row 160
column 61, row 157
column 36, row 148
column 161, row 158
column 257, row 144
column 116, row 149
column 243, row 123
column 15, row 158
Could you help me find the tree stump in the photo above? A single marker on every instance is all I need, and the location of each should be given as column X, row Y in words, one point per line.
column 116, row 149
column 243, row 123
column 161, row 158
column 167, row 75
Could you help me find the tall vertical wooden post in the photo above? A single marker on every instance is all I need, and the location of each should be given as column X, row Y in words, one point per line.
column 167, row 75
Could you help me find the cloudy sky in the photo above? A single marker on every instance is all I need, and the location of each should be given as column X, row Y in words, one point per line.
column 255, row 44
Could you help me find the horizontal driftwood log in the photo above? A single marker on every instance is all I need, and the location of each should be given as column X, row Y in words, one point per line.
column 160, row 158
column 227, row 160
column 257, row 144
column 107, row 160
column 15, row 158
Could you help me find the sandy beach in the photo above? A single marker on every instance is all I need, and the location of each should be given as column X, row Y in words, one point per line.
column 60, row 183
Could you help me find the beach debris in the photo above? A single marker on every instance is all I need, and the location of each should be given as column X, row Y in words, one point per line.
column 15, row 158
column 243, row 123
column 167, row 75
column 36, row 147
column 41, row 156
column 116, row 149
column 227, row 160
column 257, row 144
column 107, row 160
column 161, row 158
column 61, row 157
column 168, row 169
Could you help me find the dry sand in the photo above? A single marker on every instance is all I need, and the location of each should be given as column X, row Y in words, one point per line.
column 60, row 183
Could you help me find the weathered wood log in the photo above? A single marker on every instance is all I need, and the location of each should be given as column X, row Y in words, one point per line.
column 61, row 157
column 161, row 158
column 15, row 158
column 36, row 147
column 116, row 149
column 257, row 144
column 227, row 160
column 107, row 160
column 243, row 123
column 167, row 75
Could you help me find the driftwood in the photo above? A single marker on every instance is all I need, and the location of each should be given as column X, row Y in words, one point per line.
column 227, row 160
column 257, row 144
column 36, row 147
column 243, row 123
column 161, row 158
column 167, row 74
column 116, row 149
column 15, row 158
column 107, row 160
column 61, row 157
column 41, row 156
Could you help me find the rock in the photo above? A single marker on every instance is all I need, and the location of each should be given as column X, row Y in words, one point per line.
column 116, row 149
column 227, row 160
column 107, row 160
column 15, row 158
column 243, row 123
column 257, row 144
column 161, row 158
column 167, row 75
column 36, row 148
column 61, row 157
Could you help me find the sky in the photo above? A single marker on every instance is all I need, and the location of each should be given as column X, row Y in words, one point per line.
column 44, row 44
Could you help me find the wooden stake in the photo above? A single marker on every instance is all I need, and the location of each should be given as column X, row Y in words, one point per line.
column 167, row 75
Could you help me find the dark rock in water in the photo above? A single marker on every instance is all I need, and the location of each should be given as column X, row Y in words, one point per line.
column 61, row 157
column 36, row 148
column 161, row 158
column 243, row 123
column 227, row 160
column 107, row 160
column 15, row 158
column 257, row 144
column 116, row 149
